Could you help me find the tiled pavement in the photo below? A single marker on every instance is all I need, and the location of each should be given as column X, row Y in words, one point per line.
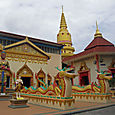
column 40, row 110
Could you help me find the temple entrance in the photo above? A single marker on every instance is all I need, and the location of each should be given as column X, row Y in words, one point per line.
column 26, row 81
column 84, row 75
column 84, row 79
column 26, row 75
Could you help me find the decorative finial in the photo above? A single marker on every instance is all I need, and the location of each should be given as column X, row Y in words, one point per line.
column 26, row 38
column 62, row 8
column 97, row 30
column 96, row 25
column 97, row 34
column 63, row 21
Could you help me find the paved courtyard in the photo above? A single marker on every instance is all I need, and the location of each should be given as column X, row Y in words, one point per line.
column 37, row 110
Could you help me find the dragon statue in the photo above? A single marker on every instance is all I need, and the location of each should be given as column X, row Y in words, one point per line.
column 103, row 86
column 63, row 90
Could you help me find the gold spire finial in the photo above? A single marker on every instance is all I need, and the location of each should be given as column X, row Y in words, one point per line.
column 96, row 24
column 62, row 8
column 97, row 34
column 63, row 21
column 97, row 30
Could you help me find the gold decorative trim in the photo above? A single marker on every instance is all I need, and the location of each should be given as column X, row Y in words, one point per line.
column 83, row 67
column 30, row 43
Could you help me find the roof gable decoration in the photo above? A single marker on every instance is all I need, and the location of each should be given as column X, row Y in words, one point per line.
column 26, row 51
column 98, row 40
column 25, row 71
column 83, row 67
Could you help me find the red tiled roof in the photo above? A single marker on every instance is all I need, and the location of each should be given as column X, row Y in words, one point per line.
column 96, row 49
column 97, row 45
column 98, row 42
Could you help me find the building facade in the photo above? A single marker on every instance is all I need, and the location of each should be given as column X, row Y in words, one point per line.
column 27, row 58
column 99, row 55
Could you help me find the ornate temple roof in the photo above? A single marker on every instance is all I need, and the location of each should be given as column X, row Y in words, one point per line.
column 26, row 41
column 98, row 40
column 98, row 45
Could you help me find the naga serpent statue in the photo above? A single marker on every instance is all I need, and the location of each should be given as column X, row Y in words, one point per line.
column 103, row 86
column 64, row 90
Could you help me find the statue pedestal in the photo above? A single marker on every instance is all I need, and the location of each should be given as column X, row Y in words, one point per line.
column 18, row 103
column 62, row 103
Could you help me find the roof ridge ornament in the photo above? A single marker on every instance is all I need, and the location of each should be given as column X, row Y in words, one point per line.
column 62, row 8
column 97, row 34
column 26, row 38
column 97, row 29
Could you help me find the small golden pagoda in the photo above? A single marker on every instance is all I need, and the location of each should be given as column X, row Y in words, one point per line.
column 64, row 38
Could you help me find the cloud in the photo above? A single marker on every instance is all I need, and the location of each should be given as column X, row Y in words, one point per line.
column 41, row 19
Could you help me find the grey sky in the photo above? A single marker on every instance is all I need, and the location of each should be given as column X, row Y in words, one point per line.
column 41, row 19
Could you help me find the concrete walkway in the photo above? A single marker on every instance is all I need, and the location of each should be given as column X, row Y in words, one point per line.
column 40, row 110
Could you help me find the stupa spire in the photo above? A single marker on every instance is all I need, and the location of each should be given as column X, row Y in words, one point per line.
column 62, row 8
column 64, row 38
column 63, row 21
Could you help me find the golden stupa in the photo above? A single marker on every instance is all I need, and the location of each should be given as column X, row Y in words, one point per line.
column 64, row 38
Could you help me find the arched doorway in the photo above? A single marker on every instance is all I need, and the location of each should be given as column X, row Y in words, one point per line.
column 84, row 75
column 26, row 75
column 41, row 75
column 49, row 78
